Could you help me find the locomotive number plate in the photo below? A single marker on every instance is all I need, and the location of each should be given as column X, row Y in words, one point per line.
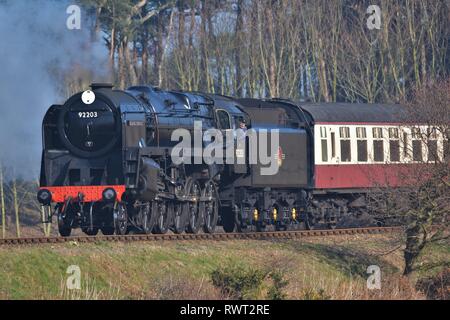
column 88, row 115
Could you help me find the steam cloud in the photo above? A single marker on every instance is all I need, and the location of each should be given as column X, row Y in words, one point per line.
column 36, row 48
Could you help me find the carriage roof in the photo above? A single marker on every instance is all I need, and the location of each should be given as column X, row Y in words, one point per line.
column 355, row 112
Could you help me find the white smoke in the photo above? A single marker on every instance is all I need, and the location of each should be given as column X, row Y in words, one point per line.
column 36, row 48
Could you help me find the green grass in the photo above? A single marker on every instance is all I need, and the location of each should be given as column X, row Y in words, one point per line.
column 182, row 270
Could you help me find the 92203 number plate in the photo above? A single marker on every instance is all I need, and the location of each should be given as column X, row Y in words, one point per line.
column 88, row 115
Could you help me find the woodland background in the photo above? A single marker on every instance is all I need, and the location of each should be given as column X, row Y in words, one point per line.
column 299, row 49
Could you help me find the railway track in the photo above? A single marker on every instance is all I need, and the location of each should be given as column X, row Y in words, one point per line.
column 199, row 237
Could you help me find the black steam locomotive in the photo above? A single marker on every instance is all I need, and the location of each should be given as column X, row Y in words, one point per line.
column 107, row 164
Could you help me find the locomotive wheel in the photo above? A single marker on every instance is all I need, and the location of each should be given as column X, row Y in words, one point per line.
column 228, row 219
column 148, row 218
column 63, row 229
column 179, row 217
column 120, row 219
column 260, row 226
column 195, row 213
column 210, row 208
column 331, row 226
column 165, row 212
column 91, row 232
column 243, row 225
column 308, row 222
column 107, row 231
column 280, row 227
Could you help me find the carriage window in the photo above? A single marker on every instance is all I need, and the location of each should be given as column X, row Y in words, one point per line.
column 417, row 144
column 377, row 133
column 394, row 145
column 223, row 119
column 433, row 151
column 393, row 133
column 323, row 136
column 333, row 145
column 346, row 155
column 344, row 132
column 378, row 145
column 417, row 150
column 378, row 150
column 361, row 135
column 416, row 133
column 394, row 150
column 432, row 145
column 324, row 151
column 432, row 133
column 362, row 150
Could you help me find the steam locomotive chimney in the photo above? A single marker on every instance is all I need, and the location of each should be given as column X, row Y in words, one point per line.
column 96, row 86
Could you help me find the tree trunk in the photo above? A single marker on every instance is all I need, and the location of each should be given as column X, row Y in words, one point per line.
column 122, row 75
column 16, row 207
column 112, row 49
column 204, row 84
column 415, row 241
column 2, row 195
column 237, row 56
column 164, row 50
column 158, row 44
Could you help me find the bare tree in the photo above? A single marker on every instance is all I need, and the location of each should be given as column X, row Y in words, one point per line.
column 423, row 200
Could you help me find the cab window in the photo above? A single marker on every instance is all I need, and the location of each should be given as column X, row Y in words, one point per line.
column 223, row 119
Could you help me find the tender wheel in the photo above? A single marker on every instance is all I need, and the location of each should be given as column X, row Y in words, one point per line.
column 179, row 217
column 241, row 224
column 120, row 219
column 194, row 211
column 107, row 231
column 210, row 208
column 228, row 219
column 261, row 227
column 280, row 227
column 245, row 225
column 164, row 219
column 91, row 232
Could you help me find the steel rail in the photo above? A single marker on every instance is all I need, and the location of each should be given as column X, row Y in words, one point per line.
column 270, row 235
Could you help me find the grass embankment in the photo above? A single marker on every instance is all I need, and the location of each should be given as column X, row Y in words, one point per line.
column 334, row 268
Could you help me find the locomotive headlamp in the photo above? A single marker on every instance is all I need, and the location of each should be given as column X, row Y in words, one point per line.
column 44, row 197
column 109, row 194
